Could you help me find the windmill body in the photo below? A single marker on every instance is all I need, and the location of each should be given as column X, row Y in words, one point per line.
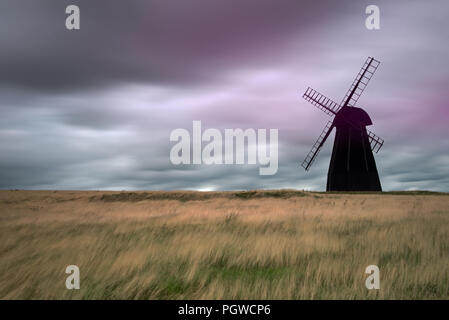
column 352, row 166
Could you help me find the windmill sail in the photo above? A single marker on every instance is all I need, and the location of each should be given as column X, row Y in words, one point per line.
column 360, row 82
column 321, row 102
column 317, row 146
column 331, row 108
column 375, row 141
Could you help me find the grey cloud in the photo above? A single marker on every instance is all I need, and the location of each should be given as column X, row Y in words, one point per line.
column 169, row 42
column 94, row 109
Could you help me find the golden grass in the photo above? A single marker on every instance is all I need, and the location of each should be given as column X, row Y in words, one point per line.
column 234, row 245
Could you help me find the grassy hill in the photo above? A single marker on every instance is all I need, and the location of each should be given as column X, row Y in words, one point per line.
column 279, row 244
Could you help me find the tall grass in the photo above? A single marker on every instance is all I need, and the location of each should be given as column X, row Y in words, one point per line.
column 304, row 246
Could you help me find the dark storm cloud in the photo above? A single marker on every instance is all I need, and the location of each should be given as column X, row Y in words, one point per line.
column 94, row 108
column 169, row 42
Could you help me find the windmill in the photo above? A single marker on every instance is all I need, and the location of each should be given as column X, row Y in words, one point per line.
column 352, row 166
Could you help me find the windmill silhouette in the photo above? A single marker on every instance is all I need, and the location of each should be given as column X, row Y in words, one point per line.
column 352, row 166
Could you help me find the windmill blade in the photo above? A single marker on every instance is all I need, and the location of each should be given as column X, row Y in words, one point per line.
column 360, row 82
column 317, row 146
column 375, row 141
column 321, row 102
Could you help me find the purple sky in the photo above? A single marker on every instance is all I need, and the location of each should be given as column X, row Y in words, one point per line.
column 94, row 108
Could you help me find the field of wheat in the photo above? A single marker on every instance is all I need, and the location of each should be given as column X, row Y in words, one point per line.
column 231, row 245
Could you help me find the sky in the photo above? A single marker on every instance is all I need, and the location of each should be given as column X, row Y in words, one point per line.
column 93, row 108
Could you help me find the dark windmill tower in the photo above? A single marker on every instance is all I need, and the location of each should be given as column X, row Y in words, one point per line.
column 352, row 166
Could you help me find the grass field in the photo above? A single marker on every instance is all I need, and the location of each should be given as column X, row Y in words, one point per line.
column 233, row 245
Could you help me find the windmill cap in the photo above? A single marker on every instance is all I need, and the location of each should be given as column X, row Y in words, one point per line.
column 355, row 115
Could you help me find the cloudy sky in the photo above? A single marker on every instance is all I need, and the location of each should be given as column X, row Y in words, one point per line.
column 94, row 108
